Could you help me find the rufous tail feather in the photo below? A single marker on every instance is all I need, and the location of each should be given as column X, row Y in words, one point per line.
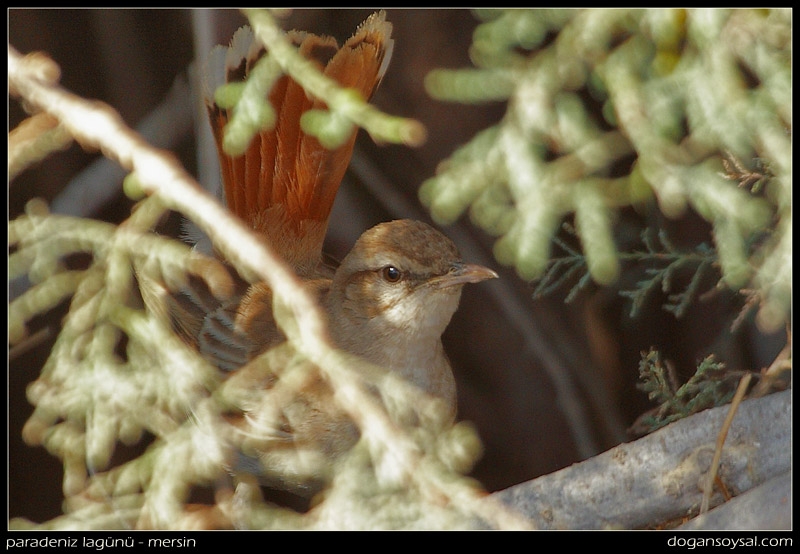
column 286, row 182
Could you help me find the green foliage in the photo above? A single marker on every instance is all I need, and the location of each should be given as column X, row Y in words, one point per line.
column 700, row 260
column 608, row 108
column 710, row 386
column 662, row 262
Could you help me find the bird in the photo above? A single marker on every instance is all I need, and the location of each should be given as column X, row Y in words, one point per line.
column 389, row 299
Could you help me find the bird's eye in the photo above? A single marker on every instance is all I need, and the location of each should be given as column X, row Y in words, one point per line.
column 391, row 274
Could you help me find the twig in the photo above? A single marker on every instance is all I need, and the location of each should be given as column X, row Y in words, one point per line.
column 781, row 363
column 30, row 342
column 164, row 127
column 712, row 473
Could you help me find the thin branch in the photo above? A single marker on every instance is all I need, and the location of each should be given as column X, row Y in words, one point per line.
column 712, row 472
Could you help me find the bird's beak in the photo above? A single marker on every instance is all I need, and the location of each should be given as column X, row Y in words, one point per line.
column 461, row 274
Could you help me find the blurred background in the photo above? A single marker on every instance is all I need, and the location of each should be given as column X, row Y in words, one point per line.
column 545, row 383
